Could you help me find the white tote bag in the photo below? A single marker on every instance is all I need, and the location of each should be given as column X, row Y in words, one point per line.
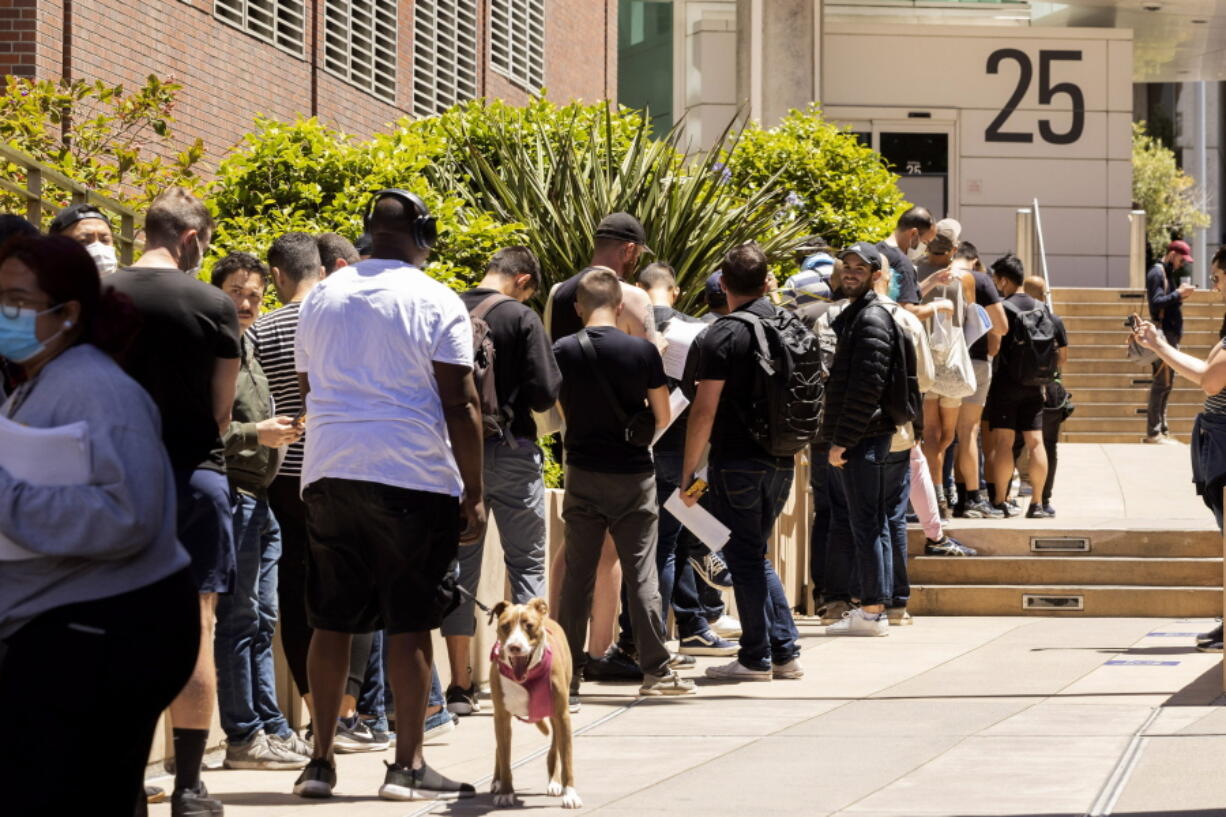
column 955, row 375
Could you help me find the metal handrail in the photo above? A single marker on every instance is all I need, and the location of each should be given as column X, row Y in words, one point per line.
column 1042, row 252
column 38, row 174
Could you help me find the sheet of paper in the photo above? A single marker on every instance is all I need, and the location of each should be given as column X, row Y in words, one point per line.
column 42, row 456
column 680, row 336
column 677, row 403
column 709, row 530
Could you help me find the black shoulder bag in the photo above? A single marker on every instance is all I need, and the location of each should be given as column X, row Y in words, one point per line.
column 639, row 428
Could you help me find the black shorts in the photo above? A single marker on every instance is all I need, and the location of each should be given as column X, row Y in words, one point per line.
column 378, row 555
column 205, row 525
column 1015, row 410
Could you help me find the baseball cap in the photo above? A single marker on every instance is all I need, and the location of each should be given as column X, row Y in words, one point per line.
column 819, row 261
column 623, row 227
column 73, row 213
column 1182, row 248
column 866, row 251
column 808, row 286
column 948, row 232
column 714, row 293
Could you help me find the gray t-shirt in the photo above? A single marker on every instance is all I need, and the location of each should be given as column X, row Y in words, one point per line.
column 112, row 535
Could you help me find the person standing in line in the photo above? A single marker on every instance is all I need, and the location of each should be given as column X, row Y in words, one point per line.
column 614, row 396
column 186, row 355
column 1165, row 296
column 257, row 734
column 973, row 503
column 915, row 228
column 859, row 428
column 526, row 379
column 391, row 478
column 105, row 581
column 748, row 485
column 335, row 252
column 89, row 227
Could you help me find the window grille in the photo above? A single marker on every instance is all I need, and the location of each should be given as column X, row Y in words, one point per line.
column 278, row 22
column 444, row 54
column 517, row 41
column 360, row 44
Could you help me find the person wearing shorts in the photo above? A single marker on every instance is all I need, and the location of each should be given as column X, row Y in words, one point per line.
column 186, row 355
column 392, row 479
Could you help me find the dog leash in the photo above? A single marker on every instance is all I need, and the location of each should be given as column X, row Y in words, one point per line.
column 471, row 597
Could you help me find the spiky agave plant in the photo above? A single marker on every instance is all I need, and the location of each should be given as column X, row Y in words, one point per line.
column 537, row 173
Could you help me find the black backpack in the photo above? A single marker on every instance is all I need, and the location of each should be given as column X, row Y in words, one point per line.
column 786, row 397
column 1029, row 349
column 495, row 418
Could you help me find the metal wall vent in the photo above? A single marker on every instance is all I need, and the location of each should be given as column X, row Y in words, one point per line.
column 1033, row 601
column 1060, row 544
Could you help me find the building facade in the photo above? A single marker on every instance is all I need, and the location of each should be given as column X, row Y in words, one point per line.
column 356, row 64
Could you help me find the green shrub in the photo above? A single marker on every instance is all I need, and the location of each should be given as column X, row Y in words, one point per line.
column 1169, row 197
column 830, row 183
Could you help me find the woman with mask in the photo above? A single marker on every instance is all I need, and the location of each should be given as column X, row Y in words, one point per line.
column 89, row 227
column 92, row 577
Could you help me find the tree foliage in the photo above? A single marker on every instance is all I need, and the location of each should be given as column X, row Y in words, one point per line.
column 1169, row 197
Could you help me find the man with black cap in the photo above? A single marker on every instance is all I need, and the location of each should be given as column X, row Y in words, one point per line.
column 86, row 225
column 717, row 300
column 859, row 426
column 1165, row 295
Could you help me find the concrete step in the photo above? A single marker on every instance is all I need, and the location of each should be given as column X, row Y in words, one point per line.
column 1100, row 601
column 1119, row 339
column 1133, row 410
column 1138, row 378
column 1085, row 350
column 1184, row 539
column 1121, row 365
column 1202, row 299
column 1048, row 570
column 1084, row 392
column 1136, row 425
column 1077, row 321
column 1118, row 310
column 1110, row 437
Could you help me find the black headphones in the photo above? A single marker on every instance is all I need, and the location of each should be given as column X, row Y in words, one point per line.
column 425, row 226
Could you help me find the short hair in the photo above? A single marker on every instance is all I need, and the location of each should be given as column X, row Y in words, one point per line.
column 234, row 262
column 917, row 217
column 599, row 288
column 514, row 261
column 392, row 214
column 13, row 226
column 605, row 242
column 333, row 247
column 1009, row 267
column 658, row 275
column 296, row 255
column 744, row 269
column 1035, row 287
column 966, row 252
column 1219, row 257
column 173, row 213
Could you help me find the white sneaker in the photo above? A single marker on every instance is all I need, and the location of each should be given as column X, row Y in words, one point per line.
column 857, row 622
column 789, row 671
column 736, row 671
column 727, row 627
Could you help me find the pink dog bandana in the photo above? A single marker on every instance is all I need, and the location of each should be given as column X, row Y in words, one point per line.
column 535, row 682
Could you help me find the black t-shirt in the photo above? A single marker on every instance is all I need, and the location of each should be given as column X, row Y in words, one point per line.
column 908, row 281
column 986, row 294
column 673, row 439
column 525, row 374
column 564, row 320
column 186, row 325
column 727, row 353
column 595, row 437
column 1001, row 382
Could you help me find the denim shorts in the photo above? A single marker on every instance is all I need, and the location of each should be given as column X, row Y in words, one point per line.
column 378, row 556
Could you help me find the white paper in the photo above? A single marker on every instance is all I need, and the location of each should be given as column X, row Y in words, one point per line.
column 680, row 336
column 42, row 456
column 677, row 403
column 709, row 530
column 975, row 324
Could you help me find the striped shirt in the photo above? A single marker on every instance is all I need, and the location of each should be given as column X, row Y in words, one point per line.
column 272, row 339
column 1216, row 404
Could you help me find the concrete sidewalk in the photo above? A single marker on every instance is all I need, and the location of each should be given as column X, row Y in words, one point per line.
column 953, row 716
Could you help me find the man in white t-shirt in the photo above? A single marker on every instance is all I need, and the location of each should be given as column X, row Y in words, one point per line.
column 392, row 470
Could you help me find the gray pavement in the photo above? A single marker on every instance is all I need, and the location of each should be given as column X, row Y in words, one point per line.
column 952, row 716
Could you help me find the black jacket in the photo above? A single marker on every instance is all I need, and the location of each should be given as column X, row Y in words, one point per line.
column 1165, row 305
column 859, row 374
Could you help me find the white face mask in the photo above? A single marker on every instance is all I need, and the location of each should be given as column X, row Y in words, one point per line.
column 104, row 257
column 918, row 252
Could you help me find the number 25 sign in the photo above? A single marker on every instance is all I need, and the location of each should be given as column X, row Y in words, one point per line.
column 1047, row 94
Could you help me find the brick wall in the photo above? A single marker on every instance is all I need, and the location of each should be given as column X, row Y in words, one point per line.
column 229, row 76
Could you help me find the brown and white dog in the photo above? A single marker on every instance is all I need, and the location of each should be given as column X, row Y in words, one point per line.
column 530, row 676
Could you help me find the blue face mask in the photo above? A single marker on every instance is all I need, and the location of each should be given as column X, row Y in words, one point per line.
column 18, row 339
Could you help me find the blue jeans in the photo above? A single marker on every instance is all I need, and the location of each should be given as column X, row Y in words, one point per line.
column 898, row 489
column 246, row 622
column 374, row 686
column 515, row 498
column 863, row 523
column 819, row 476
column 747, row 495
column 671, row 564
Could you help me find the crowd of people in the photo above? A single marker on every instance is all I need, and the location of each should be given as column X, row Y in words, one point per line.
column 329, row 466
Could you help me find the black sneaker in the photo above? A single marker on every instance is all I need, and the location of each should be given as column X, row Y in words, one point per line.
column 712, row 569
column 403, row 783
column 1051, row 512
column 317, row 779
column 354, row 736
column 979, row 508
column 1211, row 637
column 1037, row 511
column 948, row 547
column 195, row 803
column 463, row 701
column 614, row 665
